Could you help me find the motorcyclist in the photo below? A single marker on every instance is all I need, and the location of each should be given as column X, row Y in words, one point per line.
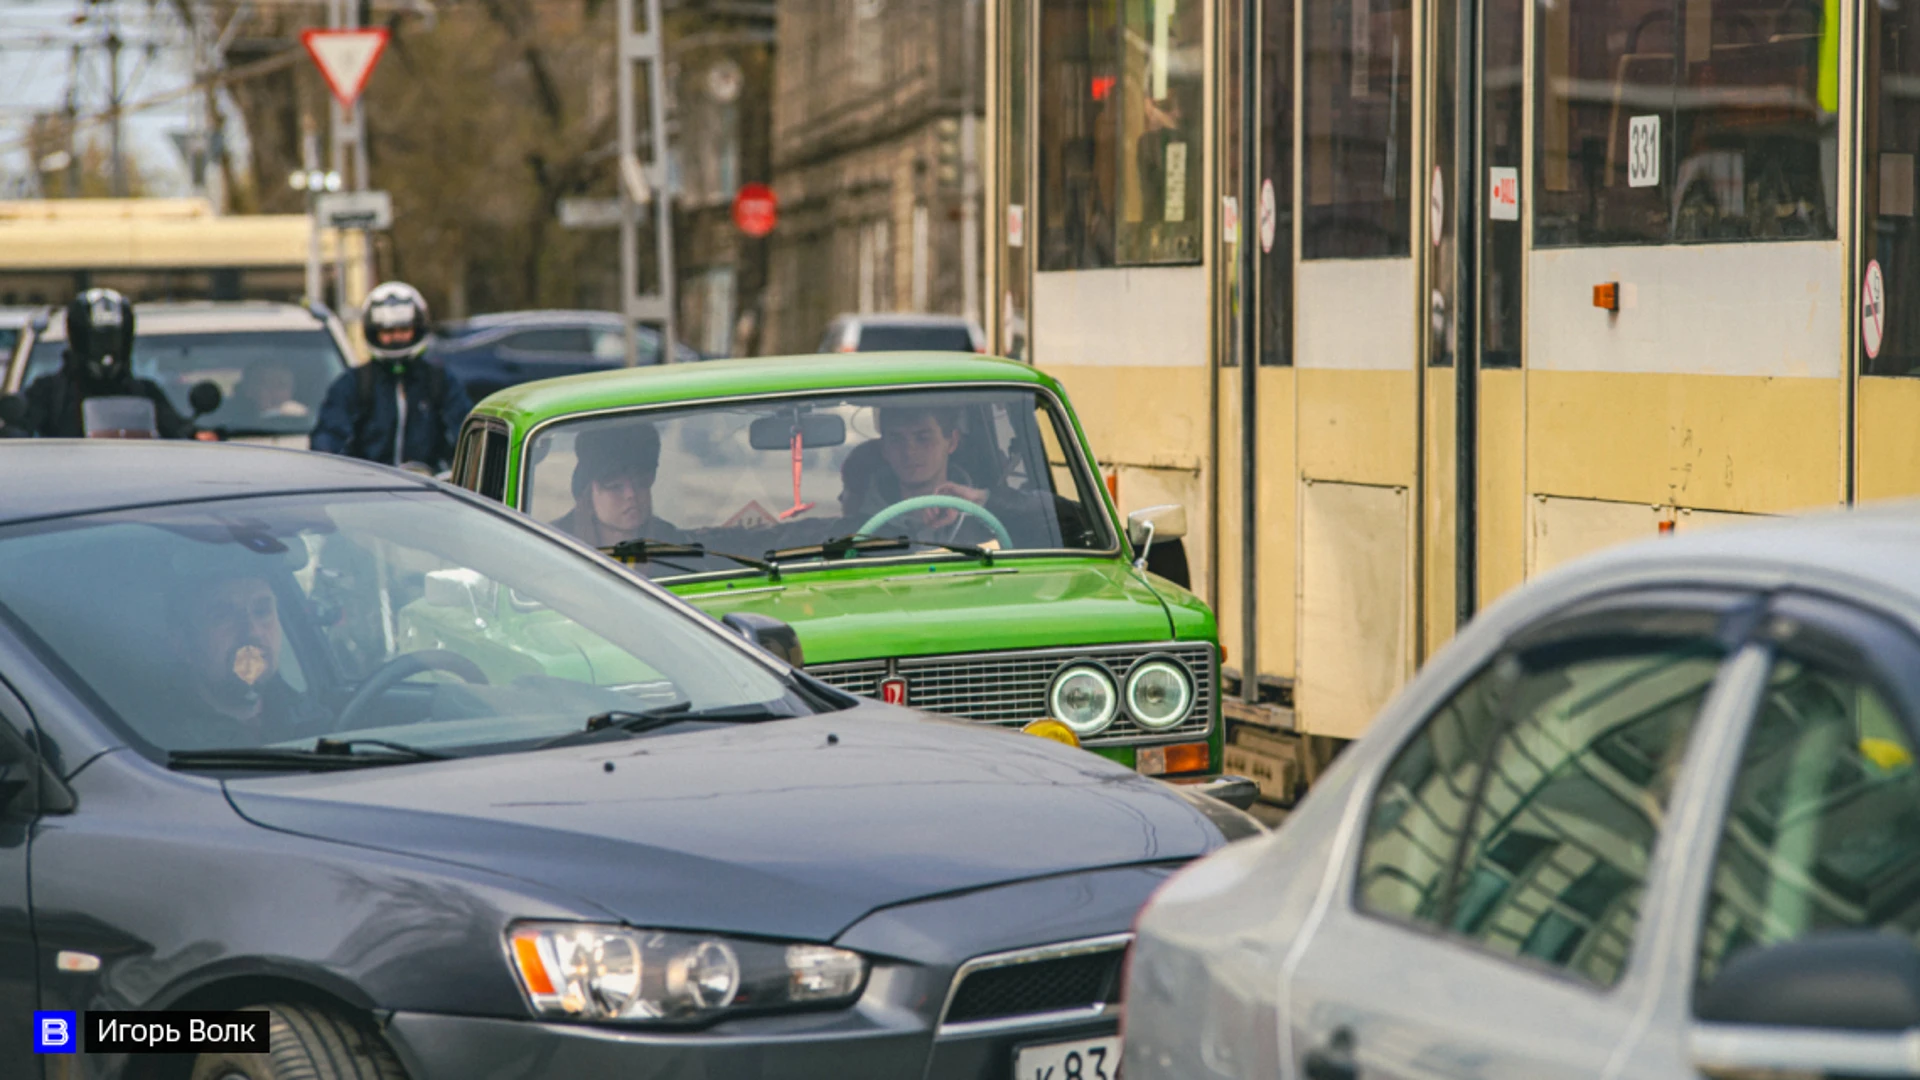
column 98, row 362
column 397, row 409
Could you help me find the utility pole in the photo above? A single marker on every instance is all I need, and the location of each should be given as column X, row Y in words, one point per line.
column 114, row 118
column 644, row 184
column 970, row 167
column 73, row 124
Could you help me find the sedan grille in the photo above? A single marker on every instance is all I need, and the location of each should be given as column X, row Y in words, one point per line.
column 1010, row 688
column 1076, row 978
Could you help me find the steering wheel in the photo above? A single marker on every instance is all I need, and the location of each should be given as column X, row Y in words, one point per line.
column 940, row 502
column 401, row 668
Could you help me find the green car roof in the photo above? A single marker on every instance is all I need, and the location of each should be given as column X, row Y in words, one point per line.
column 667, row 383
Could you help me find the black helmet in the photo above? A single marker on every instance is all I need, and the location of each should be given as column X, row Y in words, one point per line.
column 391, row 306
column 100, row 333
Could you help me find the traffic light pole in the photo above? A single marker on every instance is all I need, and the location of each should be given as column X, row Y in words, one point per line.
column 644, row 184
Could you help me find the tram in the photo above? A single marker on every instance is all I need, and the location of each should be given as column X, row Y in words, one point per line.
column 1682, row 287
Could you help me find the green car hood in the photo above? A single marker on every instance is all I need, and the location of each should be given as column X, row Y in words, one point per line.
column 947, row 607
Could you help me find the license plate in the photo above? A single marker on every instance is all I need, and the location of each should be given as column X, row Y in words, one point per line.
column 1081, row 1059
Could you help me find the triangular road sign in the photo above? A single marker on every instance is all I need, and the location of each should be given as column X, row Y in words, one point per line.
column 345, row 59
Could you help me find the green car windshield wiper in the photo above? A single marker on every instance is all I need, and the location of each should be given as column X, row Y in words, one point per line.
column 985, row 555
column 840, row 547
column 642, row 551
column 325, row 754
column 620, row 722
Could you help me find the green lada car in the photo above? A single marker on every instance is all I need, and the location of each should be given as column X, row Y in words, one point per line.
column 930, row 526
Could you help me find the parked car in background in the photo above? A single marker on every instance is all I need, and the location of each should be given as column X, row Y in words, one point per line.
column 903, row 332
column 1654, row 816
column 450, row 796
column 272, row 362
column 800, row 488
column 488, row 353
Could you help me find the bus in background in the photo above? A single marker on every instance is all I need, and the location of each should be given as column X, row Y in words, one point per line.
column 167, row 249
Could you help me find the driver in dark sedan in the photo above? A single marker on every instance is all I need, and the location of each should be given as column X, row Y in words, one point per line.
column 228, row 646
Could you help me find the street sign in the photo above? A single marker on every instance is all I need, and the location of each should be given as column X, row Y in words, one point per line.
column 589, row 213
column 355, row 210
column 345, row 59
column 756, row 210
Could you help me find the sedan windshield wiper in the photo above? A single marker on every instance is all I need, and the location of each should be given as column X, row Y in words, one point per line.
column 621, row 722
column 642, row 551
column 326, row 754
column 840, row 547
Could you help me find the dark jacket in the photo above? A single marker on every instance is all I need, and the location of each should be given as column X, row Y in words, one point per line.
column 53, row 403
column 359, row 416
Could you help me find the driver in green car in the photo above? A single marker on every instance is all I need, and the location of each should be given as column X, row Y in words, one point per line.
column 917, row 445
column 229, row 653
column 613, row 476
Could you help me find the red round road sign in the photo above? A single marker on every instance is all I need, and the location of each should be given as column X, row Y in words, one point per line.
column 755, row 210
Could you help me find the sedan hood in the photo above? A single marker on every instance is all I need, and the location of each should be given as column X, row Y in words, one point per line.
column 793, row 828
column 947, row 607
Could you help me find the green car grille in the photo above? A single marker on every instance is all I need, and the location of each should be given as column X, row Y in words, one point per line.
column 1010, row 688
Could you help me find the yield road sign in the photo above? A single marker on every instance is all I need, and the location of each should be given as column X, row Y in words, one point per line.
column 355, row 209
column 345, row 59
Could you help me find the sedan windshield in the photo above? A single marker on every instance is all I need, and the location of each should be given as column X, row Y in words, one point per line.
column 272, row 380
column 810, row 478
column 406, row 617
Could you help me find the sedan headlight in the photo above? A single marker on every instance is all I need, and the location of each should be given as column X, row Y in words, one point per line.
column 1084, row 698
column 584, row 971
column 1159, row 694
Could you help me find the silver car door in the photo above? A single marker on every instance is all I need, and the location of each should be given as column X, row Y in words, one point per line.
column 1802, row 900
column 1488, row 923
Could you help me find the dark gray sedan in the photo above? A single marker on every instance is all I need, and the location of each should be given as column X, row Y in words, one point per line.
column 450, row 796
column 1654, row 817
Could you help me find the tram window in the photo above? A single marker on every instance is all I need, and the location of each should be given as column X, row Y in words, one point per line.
column 1502, row 99
column 1665, row 121
column 1121, row 153
column 1161, row 52
column 1358, row 133
column 1892, row 147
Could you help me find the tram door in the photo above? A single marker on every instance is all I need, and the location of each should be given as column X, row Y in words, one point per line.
column 1885, row 331
column 1359, row 214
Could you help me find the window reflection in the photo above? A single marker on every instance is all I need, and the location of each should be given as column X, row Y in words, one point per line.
column 1823, row 831
column 1686, row 121
column 1358, row 136
column 1160, row 168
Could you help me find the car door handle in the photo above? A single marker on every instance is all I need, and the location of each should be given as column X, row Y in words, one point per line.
column 1334, row 1061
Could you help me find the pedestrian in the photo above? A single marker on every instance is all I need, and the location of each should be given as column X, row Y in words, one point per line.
column 97, row 363
column 396, row 409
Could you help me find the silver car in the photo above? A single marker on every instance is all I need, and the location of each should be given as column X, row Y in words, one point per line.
column 1656, row 815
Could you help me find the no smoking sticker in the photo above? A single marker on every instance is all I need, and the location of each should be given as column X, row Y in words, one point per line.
column 1873, row 309
column 1269, row 216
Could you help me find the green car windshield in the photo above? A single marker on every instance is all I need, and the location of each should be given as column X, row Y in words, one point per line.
column 993, row 469
column 407, row 617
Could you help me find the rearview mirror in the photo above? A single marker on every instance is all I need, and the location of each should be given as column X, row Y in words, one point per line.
column 1167, row 522
column 817, row 430
column 461, row 589
column 205, row 397
column 769, row 633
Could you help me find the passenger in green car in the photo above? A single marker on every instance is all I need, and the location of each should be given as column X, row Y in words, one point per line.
column 613, row 487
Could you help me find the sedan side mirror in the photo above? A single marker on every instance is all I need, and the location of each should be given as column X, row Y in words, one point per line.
column 770, row 634
column 205, row 397
column 1861, row 989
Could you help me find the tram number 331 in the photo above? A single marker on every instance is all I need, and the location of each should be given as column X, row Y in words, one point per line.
column 1643, row 151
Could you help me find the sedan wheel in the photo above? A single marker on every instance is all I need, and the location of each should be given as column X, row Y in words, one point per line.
column 308, row 1043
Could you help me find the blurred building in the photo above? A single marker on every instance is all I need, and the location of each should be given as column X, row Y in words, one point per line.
column 876, row 112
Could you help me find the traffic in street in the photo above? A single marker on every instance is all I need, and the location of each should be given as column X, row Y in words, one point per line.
column 959, row 539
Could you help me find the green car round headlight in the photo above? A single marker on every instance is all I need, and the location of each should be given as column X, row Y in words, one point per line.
column 1159, row 694
column 1084, row 698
